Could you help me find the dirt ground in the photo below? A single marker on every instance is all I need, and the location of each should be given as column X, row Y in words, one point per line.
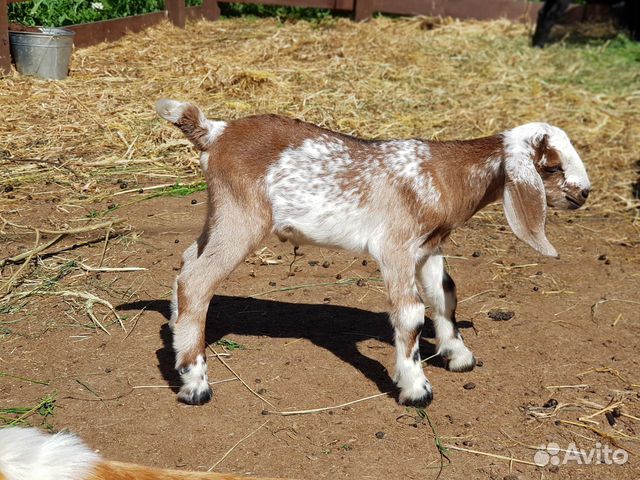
column 304, row 346
column 77, row 152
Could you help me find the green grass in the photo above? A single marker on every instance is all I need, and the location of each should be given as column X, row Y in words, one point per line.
column 229, row 344
column 178, row 190
column 58, row 13
column 607, row 65
column 13, row 416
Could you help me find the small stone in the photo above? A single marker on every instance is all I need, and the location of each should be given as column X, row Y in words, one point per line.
column 479, row 363
column 194, row 201
column 258, row 380
column 607, row 262
column 338, row 277
column 111, row 206
column 476, row 254
column 326, row 264
column 361, row 282
column 610, row 418
column 551, row 403
column 539, row 272
column 468, row 443
column 279, row 257
column 554, row 468
column 123, row 185
column 252, row 274
column 380, row 435
column 272, row 284
column 265, row 412
column 467, row 424
column 176, row 240
column 616, row 412
column 261, row 391
column 8, row 188
column 141, row 191
column 364, row 263
column 500, row 315
column 602, row 257
column 535, row 289
column 469, row 386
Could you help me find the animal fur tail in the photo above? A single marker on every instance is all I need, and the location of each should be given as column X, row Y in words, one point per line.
column 192, row 121
column 30, row 454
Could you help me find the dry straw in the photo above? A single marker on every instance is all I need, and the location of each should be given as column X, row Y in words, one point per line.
column 385, row 78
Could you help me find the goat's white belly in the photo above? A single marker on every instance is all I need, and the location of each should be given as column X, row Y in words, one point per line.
column 314, row 219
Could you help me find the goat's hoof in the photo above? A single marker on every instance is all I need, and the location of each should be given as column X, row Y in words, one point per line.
column 458, row 358
column 461, row 364
column 419, row 398
column 197, row 396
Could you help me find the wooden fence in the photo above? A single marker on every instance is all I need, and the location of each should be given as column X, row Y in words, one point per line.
column 177, row 12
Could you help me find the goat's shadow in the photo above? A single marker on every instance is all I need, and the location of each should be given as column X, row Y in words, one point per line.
column 335, row 328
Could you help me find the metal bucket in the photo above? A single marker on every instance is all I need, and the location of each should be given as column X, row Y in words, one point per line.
column 45, row 53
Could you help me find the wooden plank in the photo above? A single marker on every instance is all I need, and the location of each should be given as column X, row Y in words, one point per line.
column 88, row 34
column 476, row 9
column 344, row 5
column 364, row 10
column 5, row 53
column 176, row 11
column 289, row 3
column 210, row 9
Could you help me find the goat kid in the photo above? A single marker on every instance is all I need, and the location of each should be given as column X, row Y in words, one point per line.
column 31, row 454
column 397, row 200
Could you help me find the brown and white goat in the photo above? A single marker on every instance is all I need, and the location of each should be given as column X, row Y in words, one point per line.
column 396, row 200
column 31, row 454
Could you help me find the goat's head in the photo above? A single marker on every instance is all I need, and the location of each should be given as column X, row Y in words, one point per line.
column 541, row 168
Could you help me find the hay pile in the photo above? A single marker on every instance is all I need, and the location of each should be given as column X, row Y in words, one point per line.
column 386, row 78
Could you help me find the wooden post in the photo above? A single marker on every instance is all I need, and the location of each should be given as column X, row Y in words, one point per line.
column 210, row 9
column 363, row 10
column 176, row 11
column 5, row 54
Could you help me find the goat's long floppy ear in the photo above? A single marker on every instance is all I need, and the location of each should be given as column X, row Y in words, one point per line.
column 525, row 204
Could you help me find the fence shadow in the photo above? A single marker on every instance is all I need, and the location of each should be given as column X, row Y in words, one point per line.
column 335, row 328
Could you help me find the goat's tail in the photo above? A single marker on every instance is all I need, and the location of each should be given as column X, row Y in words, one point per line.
column 30, row 454
column 191, row 120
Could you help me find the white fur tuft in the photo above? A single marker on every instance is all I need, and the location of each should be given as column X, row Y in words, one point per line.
column 30, row 454
column 170, row 110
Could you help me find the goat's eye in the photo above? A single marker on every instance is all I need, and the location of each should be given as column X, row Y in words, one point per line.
column 550, row 169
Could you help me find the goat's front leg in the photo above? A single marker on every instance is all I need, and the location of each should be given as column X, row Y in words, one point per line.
column 407, row 318
column 441, row 295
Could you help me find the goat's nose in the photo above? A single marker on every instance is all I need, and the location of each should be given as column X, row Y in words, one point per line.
column 585, row 193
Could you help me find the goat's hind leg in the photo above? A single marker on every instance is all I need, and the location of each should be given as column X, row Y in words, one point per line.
column 221, row 247
column 441, row 295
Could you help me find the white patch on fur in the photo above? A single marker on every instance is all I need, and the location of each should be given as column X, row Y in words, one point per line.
column 459, row 357
column 519, row 151
column 170, row 110
column 409, row 375
column 195, row 379
column 443, row 305
column 215, row 127
column 204, row 161
column 317, row 191
column 574, row 171
column 518, row 146
column 30, row 454
column 174, row 305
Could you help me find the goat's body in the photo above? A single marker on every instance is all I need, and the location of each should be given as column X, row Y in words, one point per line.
column 397, row 200
column 314, row 183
